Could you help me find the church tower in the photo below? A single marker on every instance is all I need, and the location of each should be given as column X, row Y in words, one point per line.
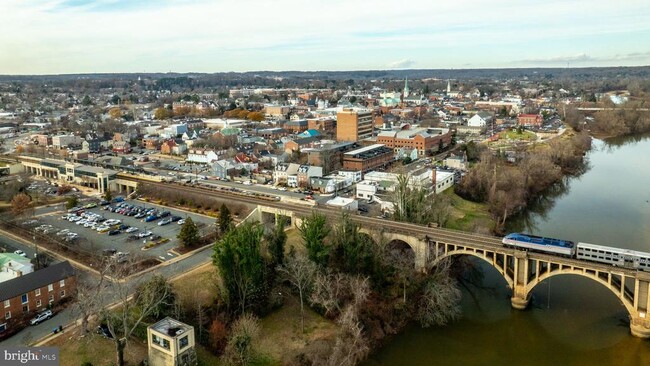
column 406, row 88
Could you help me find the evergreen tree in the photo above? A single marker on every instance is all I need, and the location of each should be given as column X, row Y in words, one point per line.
column 276, row 241
column 225, row 219
column 108, row 195
column 189, row 234
column 241, row 267
column 314, row 230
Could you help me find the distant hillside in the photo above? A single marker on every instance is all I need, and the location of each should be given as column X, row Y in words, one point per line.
column 587, row 73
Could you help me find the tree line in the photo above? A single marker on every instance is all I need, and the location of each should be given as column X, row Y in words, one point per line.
column 507, row 185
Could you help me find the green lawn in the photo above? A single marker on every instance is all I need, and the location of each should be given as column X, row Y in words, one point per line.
column 467, row 215
column 513, row 135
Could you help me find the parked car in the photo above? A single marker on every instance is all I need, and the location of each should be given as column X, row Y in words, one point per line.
column 104, row 203
column 165, row 222
column 20, row 252
column 108, row 252
column 151, row 218
column 132, row 229
column 181, row 221
column 113, row 232
column 175, row 218
column 123, row 227
column 145, row 234
column 41, row 317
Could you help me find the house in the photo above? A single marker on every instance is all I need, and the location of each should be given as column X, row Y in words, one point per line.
column 151, row 142
column 122, row 147
column 535, row 120
column 30, row 293
column 167, row 146
column 480, row 119
column 300, row 144
column 283, row 171
column 13, row 266
column 305, row 173
column 221, row 167
column 204, row 156
column 454, row 161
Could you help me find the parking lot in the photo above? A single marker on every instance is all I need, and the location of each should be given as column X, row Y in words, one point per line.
column 95, row 233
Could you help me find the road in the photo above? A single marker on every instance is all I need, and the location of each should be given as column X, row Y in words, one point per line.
column 34, row 333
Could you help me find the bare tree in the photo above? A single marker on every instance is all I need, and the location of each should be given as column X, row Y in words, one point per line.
column 351, row 345
column 300, row 272
column 88, row 299
column 328, row 291
column 440, row 300
column 240, row 348
column 133, row 302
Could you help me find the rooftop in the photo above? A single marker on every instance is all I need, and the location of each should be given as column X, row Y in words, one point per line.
column 171, row 327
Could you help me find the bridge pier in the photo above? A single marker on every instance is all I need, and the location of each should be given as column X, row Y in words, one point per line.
column 519, row 302
column 639, row 327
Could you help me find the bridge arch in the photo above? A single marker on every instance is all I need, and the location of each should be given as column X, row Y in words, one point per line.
column 492, row 263
column 629, row 306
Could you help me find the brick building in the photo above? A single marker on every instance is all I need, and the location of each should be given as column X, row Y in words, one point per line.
column 354, row 124
column 22, row 297
column 424, row 140
column 322, row 124
column 530, row 120
column 367, row 158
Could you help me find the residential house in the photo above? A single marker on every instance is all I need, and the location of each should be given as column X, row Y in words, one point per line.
column 480, row 119
column 220, row 168
column 167, row 146
column 13, row 266
column 306, row 172
column 300, row 144
column 533, row 120
column 122, row 147
column 283, row 171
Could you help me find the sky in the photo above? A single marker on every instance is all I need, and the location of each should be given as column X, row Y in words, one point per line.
column 92, row 36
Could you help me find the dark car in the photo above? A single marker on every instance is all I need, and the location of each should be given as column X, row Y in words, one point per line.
column 104, row 331
column 113, row 232
column 165, row 214
column 363, row 209
column 123, row 227
column 175, row 218
column 108, row 252
column 104, row 203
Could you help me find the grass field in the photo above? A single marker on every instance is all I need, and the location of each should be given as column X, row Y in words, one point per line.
column 468, row 216
column 95, row 349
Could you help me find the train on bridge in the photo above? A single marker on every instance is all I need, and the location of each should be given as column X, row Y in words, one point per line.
column 595, row 253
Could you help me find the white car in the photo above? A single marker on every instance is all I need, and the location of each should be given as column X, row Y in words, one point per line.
column 132, row 229
column 145, row 234
column 181, row 221
column 20, row 253
column 40, row 317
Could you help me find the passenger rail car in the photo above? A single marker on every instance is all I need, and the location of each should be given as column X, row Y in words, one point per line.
column 540, row 244
column 584, row 251
column 614, row 256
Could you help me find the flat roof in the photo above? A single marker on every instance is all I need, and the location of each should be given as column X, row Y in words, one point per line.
column 364, row 149
column 171, row 327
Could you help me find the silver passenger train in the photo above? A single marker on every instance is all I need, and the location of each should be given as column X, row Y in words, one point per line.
column 584, row 251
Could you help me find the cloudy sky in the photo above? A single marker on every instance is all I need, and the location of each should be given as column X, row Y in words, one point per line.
column 85, row 36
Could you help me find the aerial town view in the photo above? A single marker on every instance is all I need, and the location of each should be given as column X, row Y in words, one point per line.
column 330, row 183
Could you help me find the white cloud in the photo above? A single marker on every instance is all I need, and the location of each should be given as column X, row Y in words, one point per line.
column 44, row 36
column 401, row 64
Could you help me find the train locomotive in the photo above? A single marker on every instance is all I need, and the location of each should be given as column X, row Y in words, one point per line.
column 584, row 251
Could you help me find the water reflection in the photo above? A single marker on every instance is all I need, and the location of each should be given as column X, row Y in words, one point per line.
column 572, row 320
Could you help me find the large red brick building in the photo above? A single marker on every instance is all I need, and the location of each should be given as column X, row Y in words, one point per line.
column 368, row 158
column 22, row 297
column 530, row 120
column 424, row 140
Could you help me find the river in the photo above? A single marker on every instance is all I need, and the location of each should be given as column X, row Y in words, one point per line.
column 571, row 320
